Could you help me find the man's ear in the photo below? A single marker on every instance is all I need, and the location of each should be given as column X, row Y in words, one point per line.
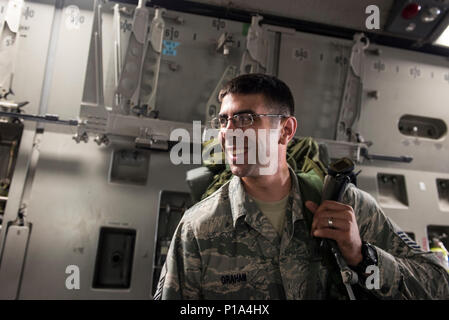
column 288, row 130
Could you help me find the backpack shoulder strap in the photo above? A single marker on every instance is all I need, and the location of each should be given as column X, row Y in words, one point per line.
column 311, row 187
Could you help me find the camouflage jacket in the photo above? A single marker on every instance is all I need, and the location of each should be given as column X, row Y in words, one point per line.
column 225, row 248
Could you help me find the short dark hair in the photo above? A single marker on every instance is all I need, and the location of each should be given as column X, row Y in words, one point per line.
column 277, row 94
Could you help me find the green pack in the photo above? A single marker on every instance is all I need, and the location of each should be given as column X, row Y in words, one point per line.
column 303, row 155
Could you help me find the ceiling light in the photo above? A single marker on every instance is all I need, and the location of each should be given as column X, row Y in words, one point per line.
column 430, row 14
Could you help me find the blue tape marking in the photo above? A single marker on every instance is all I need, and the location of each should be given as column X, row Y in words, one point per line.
column 170, row 47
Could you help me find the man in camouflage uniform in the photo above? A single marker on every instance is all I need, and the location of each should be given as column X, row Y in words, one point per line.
column 226, row 247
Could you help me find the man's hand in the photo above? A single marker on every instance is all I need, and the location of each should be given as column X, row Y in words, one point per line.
column 344, row 228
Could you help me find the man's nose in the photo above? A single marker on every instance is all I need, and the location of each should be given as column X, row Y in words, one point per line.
column 229, row 126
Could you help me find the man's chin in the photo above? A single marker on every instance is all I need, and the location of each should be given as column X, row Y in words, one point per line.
column 241, row 170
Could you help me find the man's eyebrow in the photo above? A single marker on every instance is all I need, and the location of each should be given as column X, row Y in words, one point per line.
column 240, row 112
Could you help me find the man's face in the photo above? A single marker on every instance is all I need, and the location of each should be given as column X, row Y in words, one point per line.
column 244, row 158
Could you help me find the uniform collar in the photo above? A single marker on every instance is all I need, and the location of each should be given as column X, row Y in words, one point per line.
column 242, row 204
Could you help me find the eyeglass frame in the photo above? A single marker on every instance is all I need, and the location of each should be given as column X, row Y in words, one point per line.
column 253, row 115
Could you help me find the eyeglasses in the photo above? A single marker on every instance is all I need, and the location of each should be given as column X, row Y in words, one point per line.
column 240, row 120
